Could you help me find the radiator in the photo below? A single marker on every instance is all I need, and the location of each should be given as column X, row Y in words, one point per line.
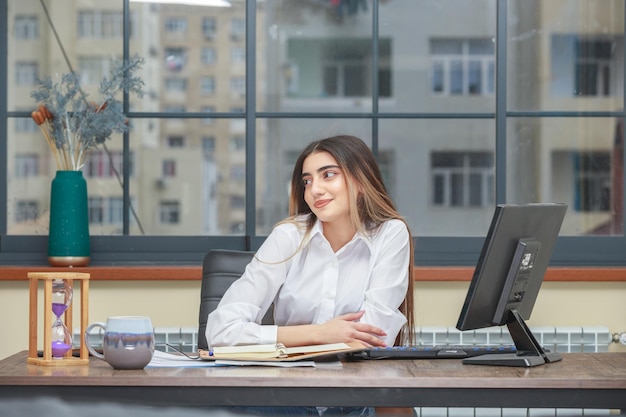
column 564, row 339
column 556, row 339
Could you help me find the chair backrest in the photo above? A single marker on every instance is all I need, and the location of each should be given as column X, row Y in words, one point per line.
column 220, row 268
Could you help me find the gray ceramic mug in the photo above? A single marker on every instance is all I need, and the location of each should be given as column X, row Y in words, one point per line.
column 128, row 341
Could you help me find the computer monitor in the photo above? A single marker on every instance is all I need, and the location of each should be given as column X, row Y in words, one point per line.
column 508, row 276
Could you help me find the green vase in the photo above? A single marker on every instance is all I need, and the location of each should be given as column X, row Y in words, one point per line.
column 68, row 237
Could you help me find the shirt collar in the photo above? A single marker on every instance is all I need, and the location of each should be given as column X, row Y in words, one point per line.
column 317, row 231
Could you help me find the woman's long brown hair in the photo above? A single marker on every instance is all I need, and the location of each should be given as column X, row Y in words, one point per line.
column 370, row 203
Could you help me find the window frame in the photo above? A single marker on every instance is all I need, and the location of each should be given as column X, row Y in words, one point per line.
column 431, row 250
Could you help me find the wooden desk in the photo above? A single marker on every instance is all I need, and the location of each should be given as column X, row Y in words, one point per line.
column 585, row 380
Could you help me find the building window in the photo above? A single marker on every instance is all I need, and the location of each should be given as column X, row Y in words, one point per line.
column 175, row 141
column 237, row 54
column 176, row 84
column 169, row 212
column 238, row 172
column 237, row 28
column 462, row 67
column 208, row 120
column 92, row 69
column 175, row 59
column 100, row 164
column 593, row 67
column 115, row 210
column 96, row 210
column 207, row 85
column 238, row 143
column 26, row 210
column 592, row 181
column 168, row 168
column 209, row 27
column 208, row 56
column 26, row 165
column 238, row 85
column 26, row 73
column 101, row 24
column 25, row 125
column 237, row 202
column 176, row 25
column 208, row 144
column 344, row 69
column 26, row 27
column 462, row 179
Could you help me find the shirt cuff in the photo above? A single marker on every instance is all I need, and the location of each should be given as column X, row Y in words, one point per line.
column 268, row 334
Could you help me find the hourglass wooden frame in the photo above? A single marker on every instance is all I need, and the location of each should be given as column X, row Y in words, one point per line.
column 47, row 277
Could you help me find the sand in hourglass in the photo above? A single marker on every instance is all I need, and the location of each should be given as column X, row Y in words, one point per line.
column 59, row 347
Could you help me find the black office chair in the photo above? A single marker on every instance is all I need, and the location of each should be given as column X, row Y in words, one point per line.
column 220, row 268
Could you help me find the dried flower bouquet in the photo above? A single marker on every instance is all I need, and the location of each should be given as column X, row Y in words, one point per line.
column 71, row 124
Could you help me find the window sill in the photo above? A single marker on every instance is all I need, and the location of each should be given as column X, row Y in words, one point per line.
column 192, row 273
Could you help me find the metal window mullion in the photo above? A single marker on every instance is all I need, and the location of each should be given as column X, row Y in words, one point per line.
column 250, row 28
column 501, row 114
column 375, row 49
column 126, row 135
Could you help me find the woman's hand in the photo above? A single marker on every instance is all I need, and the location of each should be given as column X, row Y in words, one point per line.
column 347, row 328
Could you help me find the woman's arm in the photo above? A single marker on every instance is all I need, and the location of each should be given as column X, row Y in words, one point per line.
column 345, row 328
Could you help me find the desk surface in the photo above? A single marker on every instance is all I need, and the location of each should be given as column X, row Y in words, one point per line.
column 580, row 380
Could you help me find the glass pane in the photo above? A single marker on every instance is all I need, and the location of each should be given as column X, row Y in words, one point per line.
column 318, row 57
column 440, row 173
column 565, row 55
column 279, row 142
column 429, row 60
column 580, row 164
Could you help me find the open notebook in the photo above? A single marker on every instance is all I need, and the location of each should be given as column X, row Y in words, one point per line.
column 278, row 352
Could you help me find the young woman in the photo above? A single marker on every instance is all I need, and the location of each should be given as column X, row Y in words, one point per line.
column 339, row 269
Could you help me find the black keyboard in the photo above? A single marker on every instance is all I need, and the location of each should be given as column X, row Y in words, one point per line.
column 431, row 352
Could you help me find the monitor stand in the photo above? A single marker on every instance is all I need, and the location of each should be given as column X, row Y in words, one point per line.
column 529, row 351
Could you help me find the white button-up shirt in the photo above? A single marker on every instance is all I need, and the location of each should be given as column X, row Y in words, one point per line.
column 310, row 284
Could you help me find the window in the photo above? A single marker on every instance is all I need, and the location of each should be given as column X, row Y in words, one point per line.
column 92, row 68
column 335, row 68
column 208, row 120
column 238, row 85
column 26, row 27
column 169, row 168
column 462, row 179
column 175, row 142
column 238, row 143
column 593, row 181
column 176, row 25
column 176, row 84
column 462, row 67
column 237, row 29
column 26, row 210
column 237, row 54
column 207, row 85
column 95, row 210
column 26, row 165
column 25, row 125
column 101, row 24
column 175, row 59
column 26, row 73
column 593, row 67
column 209, row 27
column 415, row 79
column 100, row 164
column 208, row 56
column 169, row 212
column 237, row 202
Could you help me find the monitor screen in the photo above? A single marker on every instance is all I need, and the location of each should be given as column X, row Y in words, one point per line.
column 508, row 276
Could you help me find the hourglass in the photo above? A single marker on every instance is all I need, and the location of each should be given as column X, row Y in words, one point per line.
column 61, row 299
column 57, row 341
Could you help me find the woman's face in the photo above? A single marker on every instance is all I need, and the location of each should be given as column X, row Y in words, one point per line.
column 325, row 188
